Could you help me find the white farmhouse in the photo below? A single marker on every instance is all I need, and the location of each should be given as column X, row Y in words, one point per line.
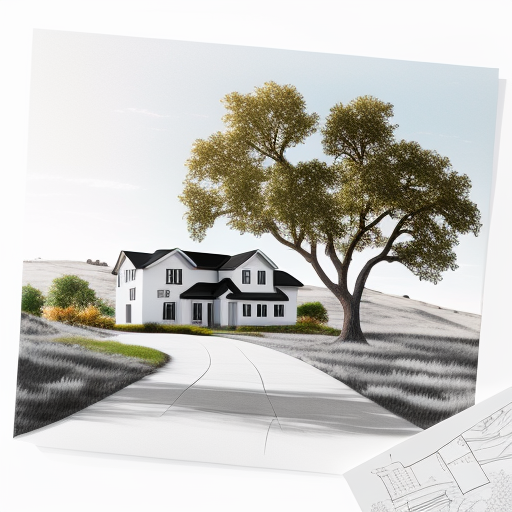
column 183, row 287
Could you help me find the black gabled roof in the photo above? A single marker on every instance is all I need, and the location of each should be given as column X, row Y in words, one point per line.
column 156, row 256
column 279, row 295
column 207, row 261
column 137, row 258
column 237, row 260
column 209, row 290
column 282, row 278
column 140, row 259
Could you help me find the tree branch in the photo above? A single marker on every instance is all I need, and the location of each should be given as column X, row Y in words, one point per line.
column 299, row 238
column 295, row 246
column 383, row 256
column 357, row 238
column 320, row 271
column 330, row 251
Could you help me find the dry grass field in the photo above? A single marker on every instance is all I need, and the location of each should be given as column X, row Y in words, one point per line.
column 420, row 363
column 63, row 369
column 421, row 359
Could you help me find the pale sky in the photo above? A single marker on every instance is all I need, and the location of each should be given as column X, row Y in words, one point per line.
column 112, row 121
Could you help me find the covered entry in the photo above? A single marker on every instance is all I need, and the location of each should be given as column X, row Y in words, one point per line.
column 232, row 313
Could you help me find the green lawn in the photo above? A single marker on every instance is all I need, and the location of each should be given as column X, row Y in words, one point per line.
column 148, row 355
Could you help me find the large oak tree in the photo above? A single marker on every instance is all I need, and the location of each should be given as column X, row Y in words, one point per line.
column 374, row 191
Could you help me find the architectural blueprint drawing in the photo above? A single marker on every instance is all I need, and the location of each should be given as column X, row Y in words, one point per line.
column 463, row 464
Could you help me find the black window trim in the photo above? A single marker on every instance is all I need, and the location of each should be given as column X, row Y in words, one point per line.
column 261, row 310
column 174, row 276
column 262, row 277
column 172, row 311
column 197, row 311
column 278, row 309
column 129, row 275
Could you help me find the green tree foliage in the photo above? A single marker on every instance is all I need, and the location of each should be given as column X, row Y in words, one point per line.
column 375, row 192
column 32, row 300
column 105, row 307
column 314, row 310
column 70, row 290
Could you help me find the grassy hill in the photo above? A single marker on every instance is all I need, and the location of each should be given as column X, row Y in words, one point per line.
column 380, row 313
column 420, row 362
column 386, row 314
column 41, row 273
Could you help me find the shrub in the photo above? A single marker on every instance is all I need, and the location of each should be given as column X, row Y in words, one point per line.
column 164, row 328
column 298, row 328
column 70, row 290
column 308, row 320
column 32, row 300
column 313, row 310
column 89, row 316
column 106, row 308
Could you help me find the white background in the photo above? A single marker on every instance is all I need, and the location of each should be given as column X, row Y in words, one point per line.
column 468, row 33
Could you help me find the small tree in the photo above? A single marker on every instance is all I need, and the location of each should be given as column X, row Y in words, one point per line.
column 105, row 307
column 70, row 290
column 314, row 310
column 32, row 300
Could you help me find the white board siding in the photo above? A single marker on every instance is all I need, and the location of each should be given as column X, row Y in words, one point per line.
column 290, row 313
column 155, row 279
column 254, row 264
column 148, row 307
column 123, row 295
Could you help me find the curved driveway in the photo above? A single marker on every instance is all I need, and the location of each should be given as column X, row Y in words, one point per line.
column 227, row 401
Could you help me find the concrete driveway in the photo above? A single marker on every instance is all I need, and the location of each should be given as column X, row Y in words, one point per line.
column 227, row 401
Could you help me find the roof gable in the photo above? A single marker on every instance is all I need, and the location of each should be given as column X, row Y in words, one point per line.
column 137, row 258
column 239, row 259
column 163, row 254
column 207, row 261
column 200, row 260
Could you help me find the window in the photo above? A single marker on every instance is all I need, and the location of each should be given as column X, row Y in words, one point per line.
column 132, row 293
column 197, row 313
column 174, row 276
column 160, row 293
column 261, row 310
column 278, row 310
column 169, row 310
column 246, row 277
column 262, row 277
column 129, row 275
column 246, row 310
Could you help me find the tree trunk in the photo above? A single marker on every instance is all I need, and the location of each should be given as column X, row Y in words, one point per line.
column 351, row 331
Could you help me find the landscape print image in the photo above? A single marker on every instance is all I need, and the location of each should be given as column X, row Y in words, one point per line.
column 249, row 256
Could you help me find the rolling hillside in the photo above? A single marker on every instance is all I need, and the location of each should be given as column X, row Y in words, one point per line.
column 380, row 313
column 420, row 361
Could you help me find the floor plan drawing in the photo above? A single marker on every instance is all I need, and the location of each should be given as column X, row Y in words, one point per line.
column 470, row 471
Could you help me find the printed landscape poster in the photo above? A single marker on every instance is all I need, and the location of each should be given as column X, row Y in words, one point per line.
column 283, row 251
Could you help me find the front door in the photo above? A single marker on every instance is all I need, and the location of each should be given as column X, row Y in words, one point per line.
column 210, row 314
column 128, row 313
column 232, row 313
